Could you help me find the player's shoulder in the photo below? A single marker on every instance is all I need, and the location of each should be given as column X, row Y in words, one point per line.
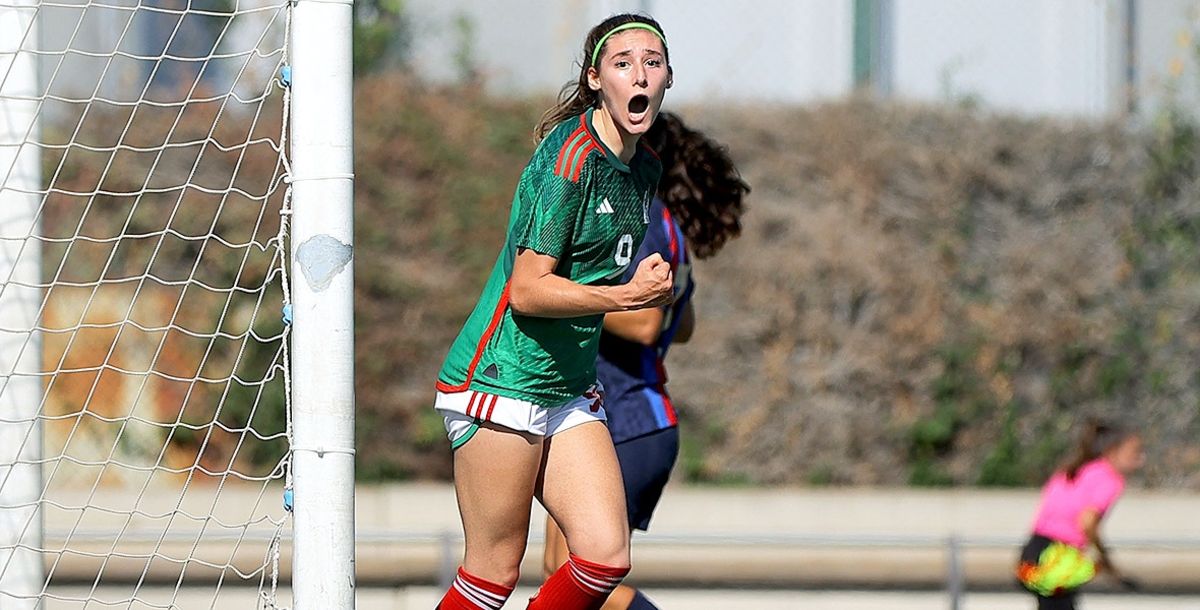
column 562, row 133
column 565, row 150
column 649, row 155
column 1099, row 471
column 647, row 161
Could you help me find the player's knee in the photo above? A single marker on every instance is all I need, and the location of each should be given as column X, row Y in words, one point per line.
column 508, row 575
column 497, row 570
column 497, row 562
column 610, row 549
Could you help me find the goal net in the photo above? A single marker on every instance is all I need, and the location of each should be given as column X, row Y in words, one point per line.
column 144, row 412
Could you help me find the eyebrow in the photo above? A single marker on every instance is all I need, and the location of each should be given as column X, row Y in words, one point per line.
column 630, row 52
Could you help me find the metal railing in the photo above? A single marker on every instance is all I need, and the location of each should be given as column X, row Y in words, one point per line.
column 446, row 546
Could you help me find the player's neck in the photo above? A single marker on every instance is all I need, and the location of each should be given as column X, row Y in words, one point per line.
column 622, row 144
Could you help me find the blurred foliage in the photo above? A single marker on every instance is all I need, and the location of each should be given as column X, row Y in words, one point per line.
column 464, row 48
column 959, row 290
column 382, row 35
column 434, row 185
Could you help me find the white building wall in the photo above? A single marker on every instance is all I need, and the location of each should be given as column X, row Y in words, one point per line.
column 766, row 50
column 1058, row 57
column 1062, row 57
column 1168, row 35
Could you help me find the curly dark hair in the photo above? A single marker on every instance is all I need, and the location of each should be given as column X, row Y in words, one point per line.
column 700, row 184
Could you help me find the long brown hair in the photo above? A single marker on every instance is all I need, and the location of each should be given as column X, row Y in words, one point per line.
column 700, row 185
column 576, row 96
column 1098, row 438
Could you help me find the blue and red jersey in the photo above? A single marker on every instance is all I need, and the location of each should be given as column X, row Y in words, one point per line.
column 633, row 375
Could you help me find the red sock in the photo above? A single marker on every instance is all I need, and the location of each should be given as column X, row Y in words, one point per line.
column 470, row 592
column 578, row 585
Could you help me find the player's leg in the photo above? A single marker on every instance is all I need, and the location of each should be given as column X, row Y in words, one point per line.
column 646, row 464
column 494, row 476
column 581, row 488
column 623, row 597
column 1065, row 601
column 555, row 552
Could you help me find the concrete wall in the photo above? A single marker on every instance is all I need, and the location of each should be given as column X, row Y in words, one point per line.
column 715, row 536
column 767, row 50
column 1167, row 32
column 1061, row 57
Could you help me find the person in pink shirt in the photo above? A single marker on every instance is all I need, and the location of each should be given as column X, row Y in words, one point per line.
column 1055, row 563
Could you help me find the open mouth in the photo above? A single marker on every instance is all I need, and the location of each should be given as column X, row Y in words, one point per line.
column 639, row 104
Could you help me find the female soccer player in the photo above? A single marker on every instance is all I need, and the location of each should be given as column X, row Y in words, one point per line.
column 1054, row 563
column 699, row 207
column 518, row 389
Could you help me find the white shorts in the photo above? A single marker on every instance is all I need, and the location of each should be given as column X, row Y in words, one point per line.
column 464, row 411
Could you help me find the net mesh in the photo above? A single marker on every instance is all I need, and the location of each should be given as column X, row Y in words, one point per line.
column 143, row 353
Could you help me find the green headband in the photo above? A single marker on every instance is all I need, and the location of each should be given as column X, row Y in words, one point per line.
column 634, row 25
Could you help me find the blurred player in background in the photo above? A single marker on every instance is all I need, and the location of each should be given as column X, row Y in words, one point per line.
column 518, row 389
column 1054, row 563
column 697, row 210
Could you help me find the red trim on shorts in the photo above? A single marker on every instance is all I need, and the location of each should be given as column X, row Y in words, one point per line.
column 491, row 408
column 498, row 315
column 471, row 404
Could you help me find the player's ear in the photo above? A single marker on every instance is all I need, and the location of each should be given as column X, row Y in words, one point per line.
column 670, row 76
column 593, row 78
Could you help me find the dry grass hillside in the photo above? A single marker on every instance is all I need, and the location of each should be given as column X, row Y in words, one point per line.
column 922, row 295
column 938, row 297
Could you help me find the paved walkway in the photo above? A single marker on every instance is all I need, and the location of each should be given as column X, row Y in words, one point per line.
column 424, row 598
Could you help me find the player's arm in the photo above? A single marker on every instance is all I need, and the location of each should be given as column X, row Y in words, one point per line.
column 1089, row 520
column 687, row 324
column 535, row 290
column 642, row 326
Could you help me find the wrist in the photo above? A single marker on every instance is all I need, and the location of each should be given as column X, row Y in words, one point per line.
column 618, row 297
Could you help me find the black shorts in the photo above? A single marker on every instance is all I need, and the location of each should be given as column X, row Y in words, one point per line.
column 1031, row 554
column 646, row 463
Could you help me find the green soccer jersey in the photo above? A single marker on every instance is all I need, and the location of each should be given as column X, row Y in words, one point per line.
column 579, row 203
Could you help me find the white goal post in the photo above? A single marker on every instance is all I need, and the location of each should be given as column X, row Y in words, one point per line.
column 21, row 570
column 323, row 292
column 176, row 304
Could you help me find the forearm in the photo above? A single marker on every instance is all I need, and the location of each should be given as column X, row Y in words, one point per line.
column 687, row 325
column 1089, row 522
column 535, row 290
column 1094, row 538
column 1104, row 563
column 643, row 326
column 553, row 296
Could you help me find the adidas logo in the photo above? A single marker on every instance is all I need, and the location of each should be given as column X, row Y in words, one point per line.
column 605, row 207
